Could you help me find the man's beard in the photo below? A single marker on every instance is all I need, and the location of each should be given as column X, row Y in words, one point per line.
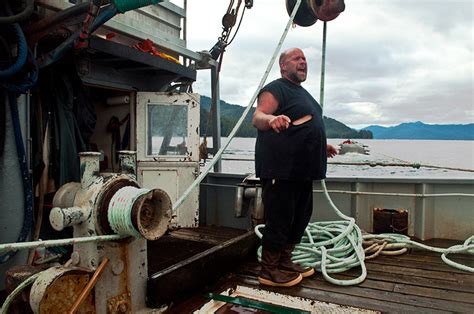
column 296, row 78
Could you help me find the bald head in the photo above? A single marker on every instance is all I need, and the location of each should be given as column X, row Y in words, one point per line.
column 284, row 54
column 293, row 65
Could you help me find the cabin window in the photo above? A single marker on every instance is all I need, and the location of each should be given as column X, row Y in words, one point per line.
column 167, row 130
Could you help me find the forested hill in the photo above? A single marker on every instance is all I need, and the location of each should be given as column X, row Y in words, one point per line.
column 231, row 113
column 421, row 131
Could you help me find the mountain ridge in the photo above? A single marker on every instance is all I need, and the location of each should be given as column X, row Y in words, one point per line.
column 422, row 131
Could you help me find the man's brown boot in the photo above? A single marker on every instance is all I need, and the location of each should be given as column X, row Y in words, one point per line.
column 288, row 265
column 270, row 275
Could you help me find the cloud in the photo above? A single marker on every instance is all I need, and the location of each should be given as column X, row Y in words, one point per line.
column 389, row 61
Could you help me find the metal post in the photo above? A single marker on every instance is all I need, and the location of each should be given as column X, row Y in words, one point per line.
column 185, row 21
column 216, row 114
column 89, row 167
column 323, row 67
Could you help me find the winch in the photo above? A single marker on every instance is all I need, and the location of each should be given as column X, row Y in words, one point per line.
column 102, row 204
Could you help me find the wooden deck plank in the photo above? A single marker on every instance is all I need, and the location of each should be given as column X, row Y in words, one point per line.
column 341, row 298
column 415, row 282
column 412, row 289
column 434, row 259
column 467, row 279
column 400, row 281
column 385, row 296
column 419, row 281
column 253, row 268
column 417, row 264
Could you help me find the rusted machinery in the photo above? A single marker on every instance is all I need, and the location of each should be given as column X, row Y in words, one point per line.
column 101, row 204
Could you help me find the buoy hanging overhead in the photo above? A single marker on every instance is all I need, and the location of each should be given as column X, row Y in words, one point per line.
column 312, row 10
column 327, row 10
column 305, row 16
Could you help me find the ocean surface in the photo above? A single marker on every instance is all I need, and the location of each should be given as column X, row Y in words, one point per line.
column 447, row 158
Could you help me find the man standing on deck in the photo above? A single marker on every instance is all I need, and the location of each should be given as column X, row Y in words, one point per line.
column 291, row 151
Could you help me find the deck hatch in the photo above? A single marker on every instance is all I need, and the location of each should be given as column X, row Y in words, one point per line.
column 390, row 221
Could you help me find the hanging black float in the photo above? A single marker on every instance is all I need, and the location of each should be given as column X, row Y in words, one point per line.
column 305, row 15
column 312, row 10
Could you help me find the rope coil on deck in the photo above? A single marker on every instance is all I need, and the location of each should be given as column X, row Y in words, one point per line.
column 337, row 246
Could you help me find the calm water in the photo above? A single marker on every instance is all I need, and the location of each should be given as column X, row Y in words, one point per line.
column 453, row 154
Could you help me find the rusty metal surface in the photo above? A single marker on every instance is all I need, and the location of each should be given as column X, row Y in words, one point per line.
column 127, row 162
column 151, row 214
column 119, row 304
column 121, row 285
column 56, row 289
column 61, row 295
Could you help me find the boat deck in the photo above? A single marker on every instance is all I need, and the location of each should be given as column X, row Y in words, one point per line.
column 418, row 281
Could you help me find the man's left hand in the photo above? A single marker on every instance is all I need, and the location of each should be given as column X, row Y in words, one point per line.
column 331, row 150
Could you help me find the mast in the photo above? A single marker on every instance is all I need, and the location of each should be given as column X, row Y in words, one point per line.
column 323, row 66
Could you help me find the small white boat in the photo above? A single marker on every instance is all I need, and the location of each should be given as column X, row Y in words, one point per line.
column 350, row 146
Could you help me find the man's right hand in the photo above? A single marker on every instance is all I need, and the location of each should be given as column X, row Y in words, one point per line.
column 279, row 123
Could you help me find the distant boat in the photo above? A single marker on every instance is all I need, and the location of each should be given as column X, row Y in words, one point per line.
column 350, row 146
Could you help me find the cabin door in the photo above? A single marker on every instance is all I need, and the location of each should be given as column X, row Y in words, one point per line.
column 167, row 141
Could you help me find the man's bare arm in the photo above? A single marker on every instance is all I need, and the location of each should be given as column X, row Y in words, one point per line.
column 263, row 118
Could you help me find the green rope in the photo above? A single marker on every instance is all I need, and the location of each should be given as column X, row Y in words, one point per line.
column 120, row 210
column 18, row 289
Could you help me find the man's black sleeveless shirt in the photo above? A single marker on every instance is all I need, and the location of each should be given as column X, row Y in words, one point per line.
column 299, row 152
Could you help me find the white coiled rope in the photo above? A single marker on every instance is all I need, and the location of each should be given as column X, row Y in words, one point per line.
column 337, row 246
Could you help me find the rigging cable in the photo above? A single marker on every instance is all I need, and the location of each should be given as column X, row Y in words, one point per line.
column 217, row 52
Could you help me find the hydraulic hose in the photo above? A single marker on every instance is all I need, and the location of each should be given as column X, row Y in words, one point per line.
column 119, row 6
column 56, row 54
column 22, row 54
column 23, row 15
column 57, row 18
column 27, row 83
column 18, row 289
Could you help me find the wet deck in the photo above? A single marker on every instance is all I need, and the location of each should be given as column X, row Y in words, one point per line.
column 416, row 282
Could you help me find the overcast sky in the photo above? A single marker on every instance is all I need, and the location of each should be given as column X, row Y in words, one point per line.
column 388, row 61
